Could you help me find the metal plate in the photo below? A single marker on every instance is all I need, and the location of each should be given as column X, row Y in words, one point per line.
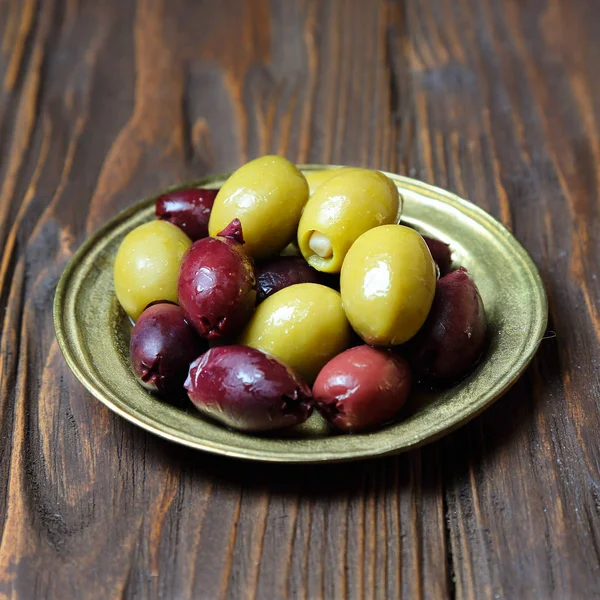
column 93, row 334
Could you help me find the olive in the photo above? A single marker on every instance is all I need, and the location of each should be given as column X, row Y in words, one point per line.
column 303, row 326
column 387, row 284
column 267, row 195
column 281, row 272
column 161, row 349
column 316, row 178
column 362, row 388
column 441, row 254
column 453, row 337
column 147, row 264
column 245, row 389
column 188, row 209
column 341, row 209
column 217, row 284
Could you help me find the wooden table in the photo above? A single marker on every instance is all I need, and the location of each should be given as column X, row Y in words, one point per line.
column 103, row 102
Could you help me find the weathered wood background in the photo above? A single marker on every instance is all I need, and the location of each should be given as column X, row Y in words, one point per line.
column 102, row 102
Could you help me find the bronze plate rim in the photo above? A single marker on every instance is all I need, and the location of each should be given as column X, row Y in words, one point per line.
column 485, row 220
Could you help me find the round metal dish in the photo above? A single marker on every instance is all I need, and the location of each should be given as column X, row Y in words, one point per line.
column 93, row 334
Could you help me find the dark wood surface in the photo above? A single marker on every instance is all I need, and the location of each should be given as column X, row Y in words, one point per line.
column 103, row 102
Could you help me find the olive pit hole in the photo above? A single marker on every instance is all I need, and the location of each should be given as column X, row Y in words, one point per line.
column 320, row 244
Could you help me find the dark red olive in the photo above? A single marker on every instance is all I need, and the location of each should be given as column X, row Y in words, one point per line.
column 161, row 349
column 362, row 388
column 188, row 209
column 441, row 253
column 452, row 338
column 281, row 272
column 217, row 284
column 245, row 389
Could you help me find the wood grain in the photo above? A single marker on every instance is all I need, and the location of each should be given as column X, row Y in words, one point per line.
column 104, row 102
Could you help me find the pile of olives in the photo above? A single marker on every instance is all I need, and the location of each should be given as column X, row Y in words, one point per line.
column 280, row 293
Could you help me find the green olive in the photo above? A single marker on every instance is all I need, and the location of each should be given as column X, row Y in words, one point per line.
column 341, row 209
column 147, row 265
column 303, row 326
column 316, row 178
column 267, row 195
column 387, row 284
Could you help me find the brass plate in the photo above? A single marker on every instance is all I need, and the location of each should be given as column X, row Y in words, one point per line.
column 93, row 334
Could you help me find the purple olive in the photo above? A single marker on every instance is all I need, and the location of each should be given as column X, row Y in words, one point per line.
column 362, row 388
column 161, row 349
column 441, row 253
column 217, row 284
column 452, row 338
column 245, row 389
column 281, row 272
column 188, row 209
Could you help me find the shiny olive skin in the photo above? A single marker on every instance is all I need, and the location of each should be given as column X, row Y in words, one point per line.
column 441, row 254
column 267, row 195
column 281, row 272
column 161, row 349
column 247, row 390
column 453, row 337
column 362, row 388
column 316, row 178
column 387, row 284
column 147, row 264
column 303, row 326
column 340, row 210
column 188, row 209
column 217, row 284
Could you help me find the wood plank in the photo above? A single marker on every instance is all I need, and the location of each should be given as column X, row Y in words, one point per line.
column 508, row 120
